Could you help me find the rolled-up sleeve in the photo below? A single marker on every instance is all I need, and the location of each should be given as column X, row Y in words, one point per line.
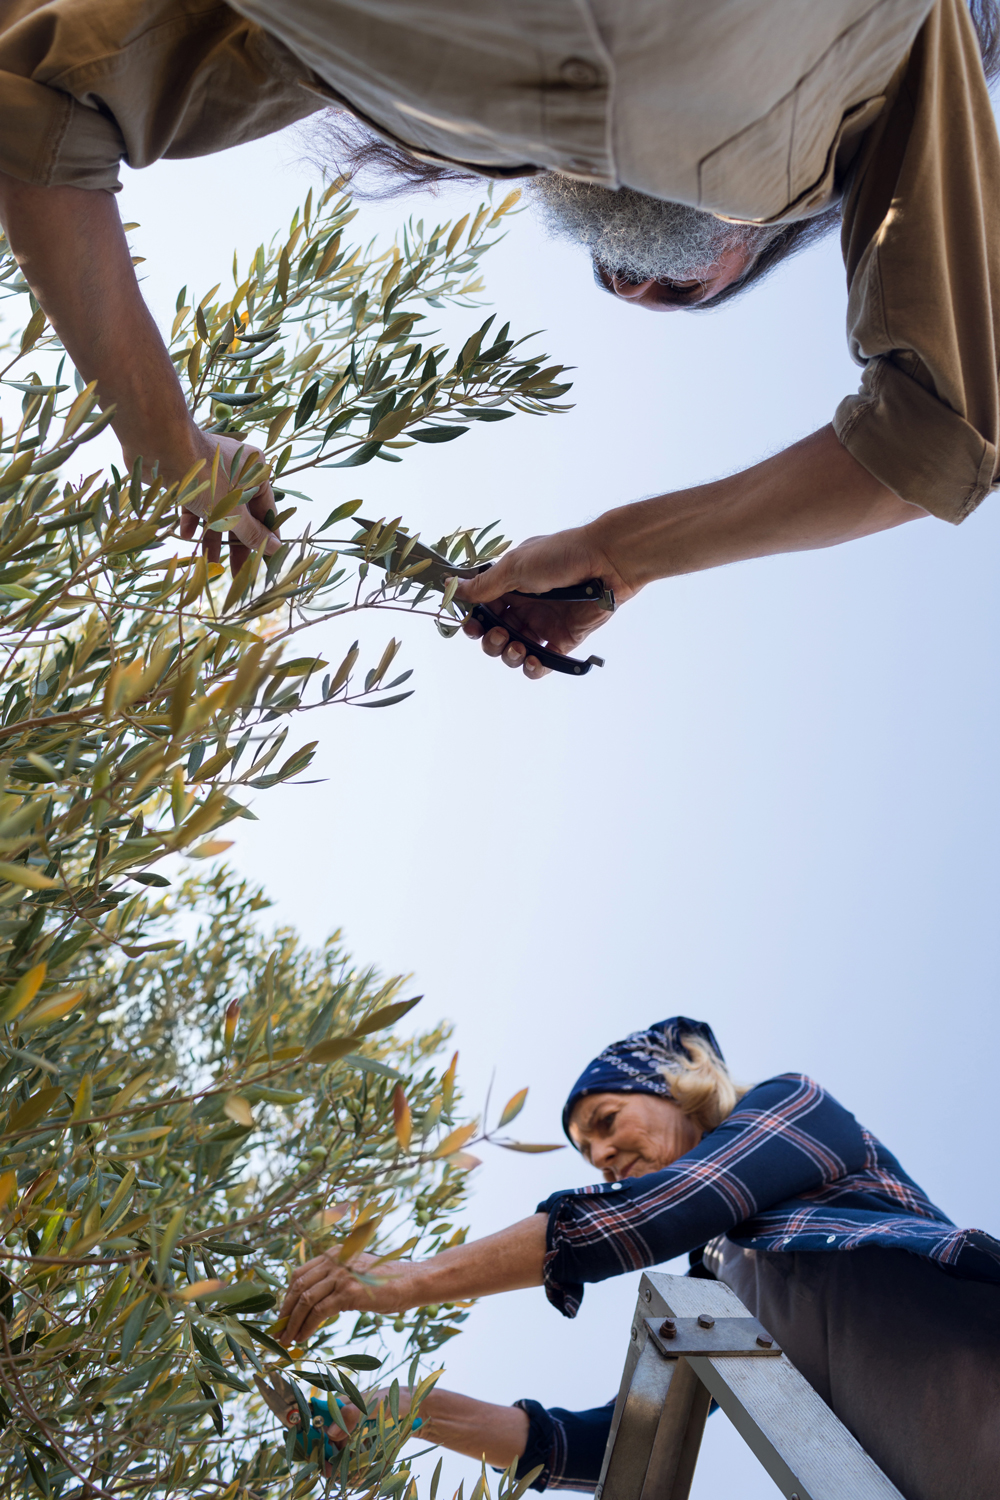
column 921, row 243
column 568, row 1446
column 87, row 84
column 787, row 1137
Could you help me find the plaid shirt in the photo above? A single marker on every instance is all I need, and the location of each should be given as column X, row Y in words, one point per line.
column 790, row 1169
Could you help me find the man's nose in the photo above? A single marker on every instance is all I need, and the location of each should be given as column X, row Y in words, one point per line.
column 631, row 291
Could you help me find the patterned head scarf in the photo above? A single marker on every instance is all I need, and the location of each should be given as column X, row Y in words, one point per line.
column 635, row 1064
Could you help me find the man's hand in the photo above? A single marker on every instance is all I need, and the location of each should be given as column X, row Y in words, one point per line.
column 251, row 528
column 537, row 565
column 813, row 494
column 70, row 244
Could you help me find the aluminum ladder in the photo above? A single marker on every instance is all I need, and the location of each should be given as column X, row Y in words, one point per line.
column 693, row 1340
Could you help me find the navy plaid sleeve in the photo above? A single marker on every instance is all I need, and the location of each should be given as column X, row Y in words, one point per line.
column 785, row 1138
column 569, row 1445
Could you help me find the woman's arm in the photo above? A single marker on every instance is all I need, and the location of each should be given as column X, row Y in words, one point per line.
column 786, row 1137
column 813, row 494
column 504, row 1262
column 478, row 1429
column 71, row 247
column 566, row 1446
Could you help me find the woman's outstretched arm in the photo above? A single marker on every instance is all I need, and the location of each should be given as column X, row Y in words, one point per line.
column 478, row 1429
column 504, row 1262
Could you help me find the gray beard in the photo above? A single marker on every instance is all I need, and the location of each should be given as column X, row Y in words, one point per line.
column 637, row 237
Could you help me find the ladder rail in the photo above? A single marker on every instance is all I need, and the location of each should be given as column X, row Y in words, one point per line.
column 664, row 1400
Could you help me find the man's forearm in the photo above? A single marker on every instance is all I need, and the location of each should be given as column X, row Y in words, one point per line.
column 813, row 494
column 71, row 247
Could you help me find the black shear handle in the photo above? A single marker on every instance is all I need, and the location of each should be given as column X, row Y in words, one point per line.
column 570, row 665
column 590, row 591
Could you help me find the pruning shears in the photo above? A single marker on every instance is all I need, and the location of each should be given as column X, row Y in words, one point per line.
column 437, row 572
column 314, row 1418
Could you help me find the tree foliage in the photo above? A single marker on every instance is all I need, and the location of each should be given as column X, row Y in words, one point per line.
column 188, row 1106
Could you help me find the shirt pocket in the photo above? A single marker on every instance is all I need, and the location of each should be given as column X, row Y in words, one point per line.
column 755, row 168
column 784, row 164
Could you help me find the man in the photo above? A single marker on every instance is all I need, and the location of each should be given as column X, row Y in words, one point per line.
column 685, row 141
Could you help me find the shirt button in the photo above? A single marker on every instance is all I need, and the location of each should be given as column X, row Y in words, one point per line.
column 615, row 1187
column 830, row 1239
column 579, row 73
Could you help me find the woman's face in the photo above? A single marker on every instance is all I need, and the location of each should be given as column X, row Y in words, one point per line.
column 628, row 1135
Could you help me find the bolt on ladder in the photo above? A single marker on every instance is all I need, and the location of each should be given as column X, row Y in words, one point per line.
column 693, row 1340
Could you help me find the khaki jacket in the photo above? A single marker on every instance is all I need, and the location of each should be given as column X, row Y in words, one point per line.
column 87, row 84
column 754, row 109
column 921, row 240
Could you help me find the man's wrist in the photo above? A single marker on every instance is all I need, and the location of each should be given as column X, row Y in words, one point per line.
column 672, row 534
column 615, row 539
column 175, row 444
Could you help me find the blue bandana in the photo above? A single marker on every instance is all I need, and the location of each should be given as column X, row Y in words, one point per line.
column 635, row 1064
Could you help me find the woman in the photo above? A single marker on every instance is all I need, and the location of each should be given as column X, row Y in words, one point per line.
column 889, row 1310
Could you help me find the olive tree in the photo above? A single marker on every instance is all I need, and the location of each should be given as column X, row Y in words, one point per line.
column 190, row 1104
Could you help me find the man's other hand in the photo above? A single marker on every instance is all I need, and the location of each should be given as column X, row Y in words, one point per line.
column 251, row 517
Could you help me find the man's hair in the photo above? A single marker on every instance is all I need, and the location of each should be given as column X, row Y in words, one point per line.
column 986, row 20
column 379, row 169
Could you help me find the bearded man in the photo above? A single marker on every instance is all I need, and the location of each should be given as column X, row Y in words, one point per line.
column 690, row 144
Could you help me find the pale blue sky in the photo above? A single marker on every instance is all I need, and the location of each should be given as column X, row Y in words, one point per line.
column 776, row 808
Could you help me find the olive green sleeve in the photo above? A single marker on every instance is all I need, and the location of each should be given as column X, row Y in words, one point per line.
column 922, row 247
column 88, row 84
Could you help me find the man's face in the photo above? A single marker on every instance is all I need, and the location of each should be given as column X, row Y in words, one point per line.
column 647, row 251
column 663, row 294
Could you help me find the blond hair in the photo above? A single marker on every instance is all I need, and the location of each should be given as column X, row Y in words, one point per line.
column 700, row 1084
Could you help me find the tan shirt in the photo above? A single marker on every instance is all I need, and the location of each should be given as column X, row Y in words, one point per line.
column 735, row 106
column 757, row 109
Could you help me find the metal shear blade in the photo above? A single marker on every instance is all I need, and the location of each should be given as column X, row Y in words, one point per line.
column 280, row 1396
column 438, row 571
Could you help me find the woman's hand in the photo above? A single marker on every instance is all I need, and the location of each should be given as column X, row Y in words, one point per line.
column 352, row 1415
column 503, row 1262
column 323, row 1287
